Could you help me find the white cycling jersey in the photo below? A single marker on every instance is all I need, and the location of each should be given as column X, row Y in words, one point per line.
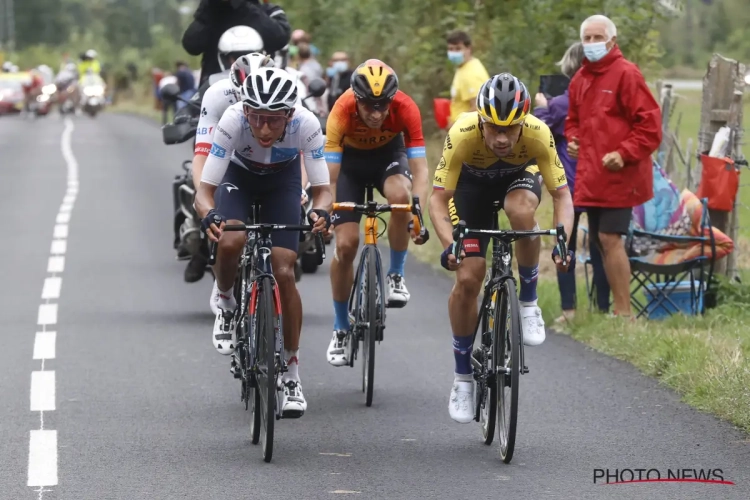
column 216, row 100
column 234, row 140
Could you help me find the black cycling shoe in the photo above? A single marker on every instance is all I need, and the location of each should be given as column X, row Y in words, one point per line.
column 195, row 269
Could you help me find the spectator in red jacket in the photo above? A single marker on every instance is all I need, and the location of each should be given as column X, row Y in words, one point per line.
column 613, row 127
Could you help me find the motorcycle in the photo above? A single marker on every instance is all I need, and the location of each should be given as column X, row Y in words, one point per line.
column 93, row 98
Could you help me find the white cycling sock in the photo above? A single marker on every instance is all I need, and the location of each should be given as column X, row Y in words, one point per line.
column 533, row 303
column 460, row 377
column 292, row 360
column 227, row 301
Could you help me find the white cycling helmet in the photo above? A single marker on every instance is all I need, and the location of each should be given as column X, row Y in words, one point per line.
column 246, row 65
column 236, row 42
column 91, row 53
column 270, row 88
column 7, row 66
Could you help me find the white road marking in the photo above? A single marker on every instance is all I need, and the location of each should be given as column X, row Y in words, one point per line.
column 44, row 345
column 51, row 288
column 47, row 314
column 59, row 247
column 43, row 391
column 61, row 231
column 56, row 264
column 42, row 458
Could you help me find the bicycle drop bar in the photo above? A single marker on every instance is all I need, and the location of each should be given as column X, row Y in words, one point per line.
column 319, row 245
column 373, row 208
column 461, row 231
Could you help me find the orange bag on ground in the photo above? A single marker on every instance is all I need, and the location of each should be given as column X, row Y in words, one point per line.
column 720, row 181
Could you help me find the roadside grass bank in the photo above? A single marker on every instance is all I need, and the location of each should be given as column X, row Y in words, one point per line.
column 705, row 359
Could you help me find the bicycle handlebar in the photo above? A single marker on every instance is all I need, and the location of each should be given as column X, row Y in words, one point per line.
column 461, row 231
column 373, row 208
column 319, row 245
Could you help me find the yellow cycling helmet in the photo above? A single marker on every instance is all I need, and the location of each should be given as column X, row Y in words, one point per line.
column 503, row 100
column 374, row 82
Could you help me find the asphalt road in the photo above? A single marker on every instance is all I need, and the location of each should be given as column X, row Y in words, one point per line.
column 142, row 407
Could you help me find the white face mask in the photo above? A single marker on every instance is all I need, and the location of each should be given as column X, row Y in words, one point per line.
column 595, row 51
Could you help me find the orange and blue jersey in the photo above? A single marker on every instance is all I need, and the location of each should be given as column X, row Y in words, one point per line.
column 345, row 128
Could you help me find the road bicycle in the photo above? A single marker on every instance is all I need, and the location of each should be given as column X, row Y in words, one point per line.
column 498, row 361
column 367, row 297
column 258, row 360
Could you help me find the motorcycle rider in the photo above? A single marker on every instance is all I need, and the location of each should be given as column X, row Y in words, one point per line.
column 214, row 17
column 67, row 85
column 88, row 62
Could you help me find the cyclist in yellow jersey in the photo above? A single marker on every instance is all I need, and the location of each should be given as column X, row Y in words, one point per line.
column 498, row 153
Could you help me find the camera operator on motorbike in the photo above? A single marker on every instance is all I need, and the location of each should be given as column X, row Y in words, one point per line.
column 256, row 155
column 67, row 87
column 214, row 17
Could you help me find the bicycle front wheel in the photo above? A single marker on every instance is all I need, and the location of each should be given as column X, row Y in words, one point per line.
column 266, row 364
column 506, row 360
column 369, row 289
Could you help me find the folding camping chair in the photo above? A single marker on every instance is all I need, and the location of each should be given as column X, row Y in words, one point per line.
column 657, row 290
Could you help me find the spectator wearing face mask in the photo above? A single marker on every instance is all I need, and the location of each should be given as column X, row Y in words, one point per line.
column 469, row 77
column 339, row 75
column 308, row 65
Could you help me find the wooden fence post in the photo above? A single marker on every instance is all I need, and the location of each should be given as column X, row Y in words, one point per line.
column 724, row 80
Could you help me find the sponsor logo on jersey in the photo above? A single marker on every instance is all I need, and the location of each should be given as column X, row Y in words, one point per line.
column 202, row 148
column 557, row 161
column 533, row 127
column 316, row 134
column 224, row 132
column 318, row 153
column 203, row 131
column 229, row 92
column 204, row 112
column 283, row 154
column 247, row 150
column 218, row 151
column 551, row 140
column 448, row 144
column 294, row 126
column 471, row 245
column 468, row 129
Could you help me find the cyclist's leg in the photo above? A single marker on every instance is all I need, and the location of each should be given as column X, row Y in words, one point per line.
column 472, row 204
column 396, row 184
column 521, row 201
column 349, row 187
column 234, row 203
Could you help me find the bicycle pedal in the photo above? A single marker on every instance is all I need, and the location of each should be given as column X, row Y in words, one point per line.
column 525, row 369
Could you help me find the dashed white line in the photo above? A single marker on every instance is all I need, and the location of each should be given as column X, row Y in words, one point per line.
column 44, row 345
column 42, row 471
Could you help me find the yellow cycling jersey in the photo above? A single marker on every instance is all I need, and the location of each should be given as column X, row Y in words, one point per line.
column 465, row 152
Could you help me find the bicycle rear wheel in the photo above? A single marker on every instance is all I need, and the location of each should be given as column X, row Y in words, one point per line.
column 488, row 410
column 369, row 293
column 506, row 360
column 266, row 363
column 249, row 354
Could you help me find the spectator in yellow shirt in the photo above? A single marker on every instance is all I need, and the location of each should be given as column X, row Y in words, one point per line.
column 469, row 76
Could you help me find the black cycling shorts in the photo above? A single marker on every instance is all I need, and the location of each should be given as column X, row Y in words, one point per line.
column 360, row 167
column 473, row 202
column 279, row 194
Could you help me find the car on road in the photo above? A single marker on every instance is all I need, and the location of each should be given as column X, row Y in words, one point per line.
column 11, row 92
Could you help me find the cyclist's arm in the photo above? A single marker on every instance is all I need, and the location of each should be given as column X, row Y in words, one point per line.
column 554, row 178
column 228, row 129
column 334, row 143
column 315, row 164
column 415, row 147
column 209, row 118
column 443, row 188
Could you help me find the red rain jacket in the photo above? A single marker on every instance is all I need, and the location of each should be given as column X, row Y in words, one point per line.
column 612, row 109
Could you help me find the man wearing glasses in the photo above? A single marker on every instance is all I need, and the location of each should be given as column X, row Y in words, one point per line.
column 256, row 153
column 373, row 135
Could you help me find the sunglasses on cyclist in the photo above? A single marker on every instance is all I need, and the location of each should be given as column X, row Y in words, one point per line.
column 372, row 106
column 257, row 120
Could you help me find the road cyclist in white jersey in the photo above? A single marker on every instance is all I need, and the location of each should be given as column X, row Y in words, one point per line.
column 255, row 155
column 216, row 100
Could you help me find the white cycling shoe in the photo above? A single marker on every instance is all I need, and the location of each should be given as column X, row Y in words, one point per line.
column 533, row 325
column 214, row 300
column 293, row 404
column 338, row 349
column 396, row 293
column 223, row 332
column 461, row 402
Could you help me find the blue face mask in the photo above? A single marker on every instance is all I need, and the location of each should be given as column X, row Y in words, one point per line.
column 331, row 71
column 595, row 51
column 456, row 56
column 340, row 66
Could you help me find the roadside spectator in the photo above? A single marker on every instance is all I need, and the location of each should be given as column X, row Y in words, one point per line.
column 308, row 65
column 613, row 127
column 301, row 36
column 553, row 113
column 339, row 76
column 186, row 82
column 213, row 17
column 469, row 77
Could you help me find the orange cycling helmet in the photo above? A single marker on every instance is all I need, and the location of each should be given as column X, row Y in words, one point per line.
column 374, row 82
column 503, row 100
